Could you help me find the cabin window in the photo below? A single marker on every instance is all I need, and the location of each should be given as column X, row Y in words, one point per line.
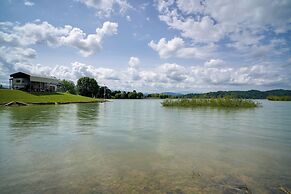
column 17, row 81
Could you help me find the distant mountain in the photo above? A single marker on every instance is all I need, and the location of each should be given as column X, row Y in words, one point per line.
column 172, row 94
column 250, row 94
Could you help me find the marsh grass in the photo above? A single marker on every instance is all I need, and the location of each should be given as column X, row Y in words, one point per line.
column 212, row 102
column 279, row 98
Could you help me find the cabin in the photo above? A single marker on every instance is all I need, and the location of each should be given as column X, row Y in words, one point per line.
column 33, row 83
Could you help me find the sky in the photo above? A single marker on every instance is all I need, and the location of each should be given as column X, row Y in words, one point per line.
column 150, row 46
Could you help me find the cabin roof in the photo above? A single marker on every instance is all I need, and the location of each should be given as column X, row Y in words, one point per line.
column 35, row 78
column 20, row 75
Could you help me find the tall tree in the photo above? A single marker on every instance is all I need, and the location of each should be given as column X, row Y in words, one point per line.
column 68, row 86
column 87, row 87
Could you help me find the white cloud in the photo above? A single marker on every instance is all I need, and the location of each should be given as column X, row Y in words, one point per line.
column 245, row 25
column 37, row 33
column 133, row 69
column 173, row 72
column 107, row 7
column 201, row 31
column 214, row 62
column 128, row 18
column 176, row 48
column 28, row 3
column 167, row 76
column 16, row 54
column 167, row 48
column 93, row 42
column 133, row 62
column 190, row 6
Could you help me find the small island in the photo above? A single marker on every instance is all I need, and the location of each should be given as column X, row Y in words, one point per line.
column 211, row 102
column 279, row 98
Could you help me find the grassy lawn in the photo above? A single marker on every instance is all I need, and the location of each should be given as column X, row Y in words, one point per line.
column 212, row 102
column 17, row 95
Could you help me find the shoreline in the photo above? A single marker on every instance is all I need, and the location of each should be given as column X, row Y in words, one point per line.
column 20, row 103
column 21, row 98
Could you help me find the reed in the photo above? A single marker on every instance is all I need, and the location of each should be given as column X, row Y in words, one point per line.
column 279, row 98
column 212, row 102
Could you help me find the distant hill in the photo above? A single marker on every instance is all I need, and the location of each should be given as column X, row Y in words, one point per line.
column 172, row 94
column 250, row 94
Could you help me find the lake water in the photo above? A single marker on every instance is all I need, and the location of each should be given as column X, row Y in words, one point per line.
column 138, row 146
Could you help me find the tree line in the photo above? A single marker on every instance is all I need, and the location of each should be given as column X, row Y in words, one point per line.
column 250, row 94
column 87, row 86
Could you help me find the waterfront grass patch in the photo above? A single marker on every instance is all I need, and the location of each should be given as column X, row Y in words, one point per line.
column 212, row 102
column 279, row 98
column 45, row 98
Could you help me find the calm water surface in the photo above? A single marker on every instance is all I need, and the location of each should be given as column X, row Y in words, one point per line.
column 138, row 146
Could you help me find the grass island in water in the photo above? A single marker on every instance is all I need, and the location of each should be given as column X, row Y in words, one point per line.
column 212, row 102
column 279, row 98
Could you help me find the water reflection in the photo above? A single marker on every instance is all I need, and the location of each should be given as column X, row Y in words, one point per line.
column 132, row 146
column 87, row 117
column 28, row 120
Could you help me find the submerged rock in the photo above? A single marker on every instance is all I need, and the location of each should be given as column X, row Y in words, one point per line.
column 233, row 185
column 237, row 189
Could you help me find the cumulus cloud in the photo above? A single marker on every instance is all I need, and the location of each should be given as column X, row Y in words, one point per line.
column 133, row 62
column 243, row 25
column 167, row 76
column 176, row 48
column 93, row 42
column 16, row 54
column 28, row 3
column 173, row 72
column 38, row 33
column 107, row 7
column 15, row 39
column 214, row 62
column 133, row 69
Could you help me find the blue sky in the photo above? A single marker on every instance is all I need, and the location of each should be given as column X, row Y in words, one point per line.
column 150, row 46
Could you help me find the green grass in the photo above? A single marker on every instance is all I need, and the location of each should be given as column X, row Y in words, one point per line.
column 279, row 98
column 45, row 98
column 212, row 102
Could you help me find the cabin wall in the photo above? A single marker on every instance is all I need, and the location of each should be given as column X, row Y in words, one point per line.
column 20, row 83
column 43, row 87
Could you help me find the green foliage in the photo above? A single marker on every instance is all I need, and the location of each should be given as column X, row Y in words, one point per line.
column 159, row 95
column 140, row 95
column 87, row 87
column 251, row 94
column 279, row 98
column 104, row 92
column 18, row 95
column 127, row 95
column 68, row 86
column 212, row 102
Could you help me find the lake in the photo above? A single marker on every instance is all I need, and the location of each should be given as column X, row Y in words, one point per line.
column 138, row 146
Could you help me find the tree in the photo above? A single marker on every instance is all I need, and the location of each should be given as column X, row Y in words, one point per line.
column 139, row 95
column 132, row 95
column 101, row 92
column 87, row 87
column 68, row 86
